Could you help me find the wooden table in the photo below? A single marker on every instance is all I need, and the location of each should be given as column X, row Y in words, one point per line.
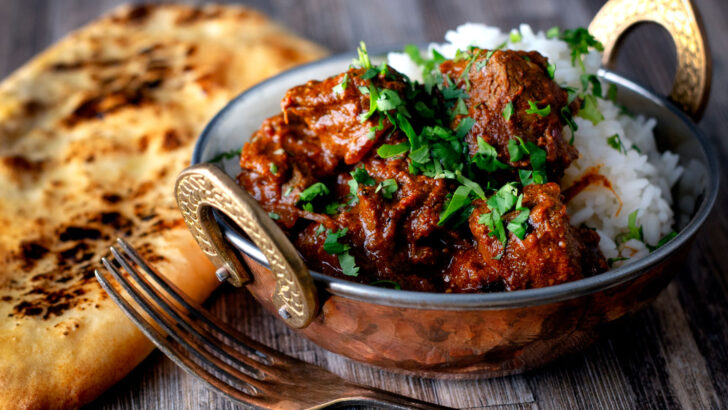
column 673, row 354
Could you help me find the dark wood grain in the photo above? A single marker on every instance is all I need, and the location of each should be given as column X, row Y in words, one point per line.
column 673, row 354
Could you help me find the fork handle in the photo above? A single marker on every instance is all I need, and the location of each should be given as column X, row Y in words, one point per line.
column 204, row 187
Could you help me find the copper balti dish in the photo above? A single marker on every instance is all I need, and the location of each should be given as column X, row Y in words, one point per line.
column 439, row 334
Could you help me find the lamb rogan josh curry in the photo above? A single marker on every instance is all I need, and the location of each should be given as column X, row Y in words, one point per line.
column 445, row 186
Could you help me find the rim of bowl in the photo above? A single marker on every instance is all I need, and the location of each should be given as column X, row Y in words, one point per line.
column 492, row 300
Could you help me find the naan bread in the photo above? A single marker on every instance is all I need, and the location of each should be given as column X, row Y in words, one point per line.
column 93, row 133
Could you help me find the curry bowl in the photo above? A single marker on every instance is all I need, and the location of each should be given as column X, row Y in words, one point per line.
column 440, row 334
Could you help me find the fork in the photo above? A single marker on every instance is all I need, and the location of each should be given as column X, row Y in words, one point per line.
column 229, row 362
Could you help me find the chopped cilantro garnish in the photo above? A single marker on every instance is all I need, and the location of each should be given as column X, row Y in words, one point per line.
column 313, row 191
column 362, row 176
column 288, row 191
column 616, row 142
column 474, row 186
column 333, row 247
column 636, row 148
column 529, row 177
column 388, row 187
column 592, row 79
column 533, row 109
column 464, row 127
column 504, row 199
column 466, row 72
column 634, row 231
column 612, row 93
column 459, row 200
column 226, row 155
column 273, row 168
column 518, row 224
column 590, row 111
column 389, row 150
column 492, row 220
column 460, row 108
column 568, row 118
column 319, row 229
column 553, row 32
column 385, row 283
column 364, row 61
column 508, row 111
column 332, row 208
column 515, row 151
column 487, row 157
column 307, row 206
column 339, row 89
column 579, row 41
column 274, row 216
column 665, row 239
column 388, row 100
column 551, row 69
column 515, row 36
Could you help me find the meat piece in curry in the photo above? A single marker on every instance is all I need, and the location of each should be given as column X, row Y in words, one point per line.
column 381, row 180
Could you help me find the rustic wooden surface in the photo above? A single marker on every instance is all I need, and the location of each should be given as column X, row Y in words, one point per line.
column 673, row 354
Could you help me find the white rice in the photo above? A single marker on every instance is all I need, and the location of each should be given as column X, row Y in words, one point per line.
column 641, row 179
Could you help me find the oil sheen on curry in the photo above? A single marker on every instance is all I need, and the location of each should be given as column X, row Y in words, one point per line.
column 447, row 186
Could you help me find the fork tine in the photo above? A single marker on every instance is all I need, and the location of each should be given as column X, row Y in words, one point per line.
column 174, row 353
column 161, row 320
column 226, row 330
column 204, row 336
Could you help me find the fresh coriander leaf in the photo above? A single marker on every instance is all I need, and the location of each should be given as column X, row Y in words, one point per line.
column 332, row 208
column 388, row 188
column 504, row 199
column 364, row 61
column 592, row 79
column 385, row 283
column 273, row 168
column 518, row 224
column 274, row 216
column 553, row 32
column 508, row 111
column 487, row 157
column 612, row 93
column 636, row 148
column 332, row 245
column 537, row 156
column 464, row 127
column 590, row 111
column 569, row 120
column 611, row 261
column 665, row 239
column 616, row 142
column 225, row 155
column 425, row 111
column 319, row 229
column 288, row 191
column 453, row 92
column 579, row 41
column 353, row 191
column 364, row 90
column 459, row 200
column 308, row 207
column 460, row 108
column 370, row 73
column 389, row 150
column 474, row 186
column 362, row 176
column 466, row 72
column 551, row 69
column 515, row 36
column 540, row 111
column 313, row 191
column 388, row 100
column 348, row 264
column 421, row 155
column 634, row 231
column 339, row 89
column 414, row 54
column 515, row 151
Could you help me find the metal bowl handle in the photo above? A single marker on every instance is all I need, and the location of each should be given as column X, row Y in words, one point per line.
column 204, row 187
column 691, row 87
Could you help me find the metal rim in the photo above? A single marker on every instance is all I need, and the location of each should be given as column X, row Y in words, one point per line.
column 496, row 300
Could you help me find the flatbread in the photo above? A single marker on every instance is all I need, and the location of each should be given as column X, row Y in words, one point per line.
column 93, row 133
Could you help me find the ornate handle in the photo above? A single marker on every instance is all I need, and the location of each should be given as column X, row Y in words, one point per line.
column 201, row 188
column 691, row 86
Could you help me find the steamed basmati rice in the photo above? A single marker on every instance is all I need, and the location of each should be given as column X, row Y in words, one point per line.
column 640, row 176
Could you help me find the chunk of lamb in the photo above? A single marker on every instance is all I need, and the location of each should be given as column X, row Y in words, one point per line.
column 552, row 251
column 332, row 108
column 514, row 77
